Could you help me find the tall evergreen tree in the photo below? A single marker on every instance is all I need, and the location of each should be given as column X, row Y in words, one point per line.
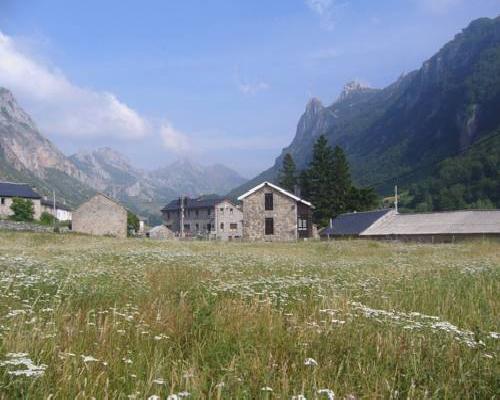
column 342, row 184
column 288, row 173
column 320, row 181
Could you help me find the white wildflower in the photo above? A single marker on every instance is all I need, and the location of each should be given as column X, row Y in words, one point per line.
column 310, row 362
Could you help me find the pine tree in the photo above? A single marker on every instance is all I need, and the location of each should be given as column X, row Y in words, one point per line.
column 320, row 181
column 288, row 173
column 342, row 185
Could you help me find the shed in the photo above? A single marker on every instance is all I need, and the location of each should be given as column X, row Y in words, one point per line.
column 101, row 215
column 160, row 232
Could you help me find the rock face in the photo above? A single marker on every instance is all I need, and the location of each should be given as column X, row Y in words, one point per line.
column 27, row 156
column 424, row 117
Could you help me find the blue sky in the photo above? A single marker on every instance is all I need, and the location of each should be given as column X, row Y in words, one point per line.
column 218, row 81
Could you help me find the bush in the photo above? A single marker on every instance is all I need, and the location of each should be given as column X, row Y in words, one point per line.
column 23, row 209
column 132, row 223
column 47, row 218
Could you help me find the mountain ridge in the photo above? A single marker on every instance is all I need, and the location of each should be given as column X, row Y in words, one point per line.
column 28, row 156
column 425, row 116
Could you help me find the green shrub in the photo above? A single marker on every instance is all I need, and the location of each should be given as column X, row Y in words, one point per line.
column 47, row 218
column 23, row 209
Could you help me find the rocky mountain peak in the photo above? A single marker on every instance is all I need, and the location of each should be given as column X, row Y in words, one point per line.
column 351, row 88
column 11, row 112
column 314, row 106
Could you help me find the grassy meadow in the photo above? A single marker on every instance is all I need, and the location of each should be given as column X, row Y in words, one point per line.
column 84, row 317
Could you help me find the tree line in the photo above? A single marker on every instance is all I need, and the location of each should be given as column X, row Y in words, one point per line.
column 326, row 183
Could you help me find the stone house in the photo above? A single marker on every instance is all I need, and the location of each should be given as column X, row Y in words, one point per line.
column 62, row 211
column 211, row 217
column 10, row 190
column 100, row 215
column 270, row 213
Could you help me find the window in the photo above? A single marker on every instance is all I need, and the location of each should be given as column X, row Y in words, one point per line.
column 2, row 201
column 222, row 226
column 209, row 211
column 197, row 227
column 168, row 214
column 187, row 227
column 233, row 227
column 209, row 227
column 269, row 206
column 197, row 212
column 269, row 226
column 230, row 211
column 222, row 210
column 302, row 224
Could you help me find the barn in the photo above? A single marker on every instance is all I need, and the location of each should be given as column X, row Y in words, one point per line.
column 100, row 215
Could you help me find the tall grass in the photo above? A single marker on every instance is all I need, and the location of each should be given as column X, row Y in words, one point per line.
column 109, row 318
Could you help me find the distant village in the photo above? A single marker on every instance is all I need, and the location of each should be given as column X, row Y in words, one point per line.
column 267, row 212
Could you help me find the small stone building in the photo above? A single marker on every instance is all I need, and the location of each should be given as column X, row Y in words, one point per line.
column 270, row 213
column 160, row 232
column 101, row 215
column 11, row 190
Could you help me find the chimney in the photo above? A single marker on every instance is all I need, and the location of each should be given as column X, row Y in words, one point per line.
column 296, row 190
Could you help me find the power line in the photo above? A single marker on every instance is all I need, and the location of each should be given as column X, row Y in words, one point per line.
column 478, row 142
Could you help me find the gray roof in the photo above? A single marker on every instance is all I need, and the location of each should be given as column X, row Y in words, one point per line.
column 23, row 190
column 448, row 222
column 201, row 202
column 353, row 223
column 59, row 205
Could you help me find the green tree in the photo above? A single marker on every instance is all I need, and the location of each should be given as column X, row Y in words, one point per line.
column 47, row 218
column 319, row 181
column 132, row 222
column 288, row 173
column 342, row 185
column 23, row 209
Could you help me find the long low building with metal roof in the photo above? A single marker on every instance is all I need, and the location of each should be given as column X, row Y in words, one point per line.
column 445, row 226
column 436, row 226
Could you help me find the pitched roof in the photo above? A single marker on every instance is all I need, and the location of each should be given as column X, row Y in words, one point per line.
column 23, row 190
column 200, row 202
column 447, row 222
column 279, row 189
column 59, row 205
column 354, row 223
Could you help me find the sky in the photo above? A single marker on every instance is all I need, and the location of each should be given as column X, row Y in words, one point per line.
column 220, row 81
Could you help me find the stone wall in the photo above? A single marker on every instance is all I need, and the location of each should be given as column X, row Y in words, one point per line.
column 226, row 216
column 284, row 215
column 100, row 216
column 22, row 226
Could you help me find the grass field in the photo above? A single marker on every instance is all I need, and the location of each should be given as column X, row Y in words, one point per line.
column 84, row 317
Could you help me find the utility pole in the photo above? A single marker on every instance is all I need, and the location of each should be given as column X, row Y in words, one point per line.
column 54, row 208
column 396, row 198
column 182, row 216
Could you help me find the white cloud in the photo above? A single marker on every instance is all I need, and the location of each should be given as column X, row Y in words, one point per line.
column 175, row 140
column 438, row 6
column 61, row 107
column 252, row 88
column 325, row 10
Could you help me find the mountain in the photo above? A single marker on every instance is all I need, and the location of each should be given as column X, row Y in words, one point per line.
column 27, row 156
column 193, row 179
column 426, row 116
